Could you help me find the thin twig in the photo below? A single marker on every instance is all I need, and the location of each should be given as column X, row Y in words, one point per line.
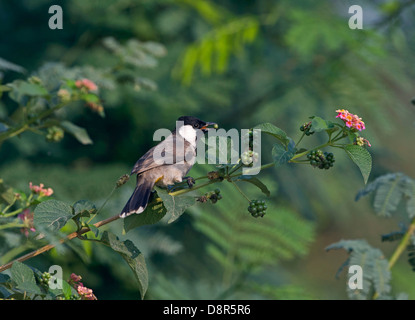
column 51, row 246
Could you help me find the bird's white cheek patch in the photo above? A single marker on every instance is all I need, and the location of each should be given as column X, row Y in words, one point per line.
column 188, row 133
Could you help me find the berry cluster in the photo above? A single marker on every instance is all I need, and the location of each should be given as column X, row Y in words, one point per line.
column 54, row 134
column 257, row 208
column 306, row 128
column 249, row 157
column 44, row 279
column 321, row 160
column 213, row 196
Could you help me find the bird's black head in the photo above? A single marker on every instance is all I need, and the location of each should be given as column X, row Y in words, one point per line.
column 195, row 123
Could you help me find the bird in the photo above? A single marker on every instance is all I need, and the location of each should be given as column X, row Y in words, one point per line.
column 166, row 163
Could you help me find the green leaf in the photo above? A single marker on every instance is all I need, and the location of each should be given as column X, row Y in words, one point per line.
column 67, row 290
column 4, row 88
column 7, row 65
column 319, row 124
column 90, row 97
column 376, row 274
column 410, row 202
column 154, row 212
column 389, row 190
column 280, row 155
column 6, row 193
column 84, row 208
column 79, row 133
column 175, row 205
column 52, row 214
column 361, row 157
column 3, row 127
column 32, row 89
column 24, row 278
column 21, row 90
column 274, row 131
column 255, row 181
column 132, row 256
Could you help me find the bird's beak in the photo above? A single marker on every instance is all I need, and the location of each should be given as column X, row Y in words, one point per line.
column 205, row 127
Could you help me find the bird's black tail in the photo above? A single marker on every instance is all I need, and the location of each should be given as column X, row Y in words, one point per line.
column 139, row 199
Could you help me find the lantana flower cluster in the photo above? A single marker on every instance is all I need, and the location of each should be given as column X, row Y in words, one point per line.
column 27, row 218
column 84, row 292
column 40, row 190
column 355, row 123
column 87, row 84
column 351, row 120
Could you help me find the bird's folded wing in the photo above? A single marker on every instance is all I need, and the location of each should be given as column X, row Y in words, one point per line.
column 162, row 154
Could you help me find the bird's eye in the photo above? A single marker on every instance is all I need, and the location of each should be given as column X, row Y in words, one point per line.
column 196, row 125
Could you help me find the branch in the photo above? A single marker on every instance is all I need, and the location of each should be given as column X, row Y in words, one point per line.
column 51, row 246
column 400, row 248
column 111, row 219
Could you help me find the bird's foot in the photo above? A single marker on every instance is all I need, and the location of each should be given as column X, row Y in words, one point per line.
column 190, row 181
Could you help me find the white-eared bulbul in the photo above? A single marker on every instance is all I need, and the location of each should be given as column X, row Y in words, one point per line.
column 153, row 169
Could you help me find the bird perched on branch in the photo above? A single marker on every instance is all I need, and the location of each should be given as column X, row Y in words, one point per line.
column 166, row 163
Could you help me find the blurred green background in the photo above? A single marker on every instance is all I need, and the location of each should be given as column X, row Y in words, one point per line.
column 237, row 63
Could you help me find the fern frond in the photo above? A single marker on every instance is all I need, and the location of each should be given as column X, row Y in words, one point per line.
column 389, row 190
column 212, row 53
column 240, row 241
column 376, row 274
column 283, row 292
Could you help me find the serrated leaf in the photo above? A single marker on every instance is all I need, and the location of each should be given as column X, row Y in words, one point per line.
column 79, row 133
column 361, row 157
column 154, row 212
column 274, row 131
column 52, row 214
column 255, row 181
column 84, row 207
column 389, row 189
column 175, row 205
column 132, row 256
column 24, row 278
column 280, row 155
column 319, row 124
column 21, row 273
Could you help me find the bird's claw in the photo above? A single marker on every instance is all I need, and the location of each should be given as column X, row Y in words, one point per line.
column 190, row 181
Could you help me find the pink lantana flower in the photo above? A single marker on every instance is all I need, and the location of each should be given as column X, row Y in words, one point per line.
column 75, row 278
column 84, row 292
column 87, row 84
column 360, row 141
column 351, row 120
column 27, row 219
column 43, row 192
